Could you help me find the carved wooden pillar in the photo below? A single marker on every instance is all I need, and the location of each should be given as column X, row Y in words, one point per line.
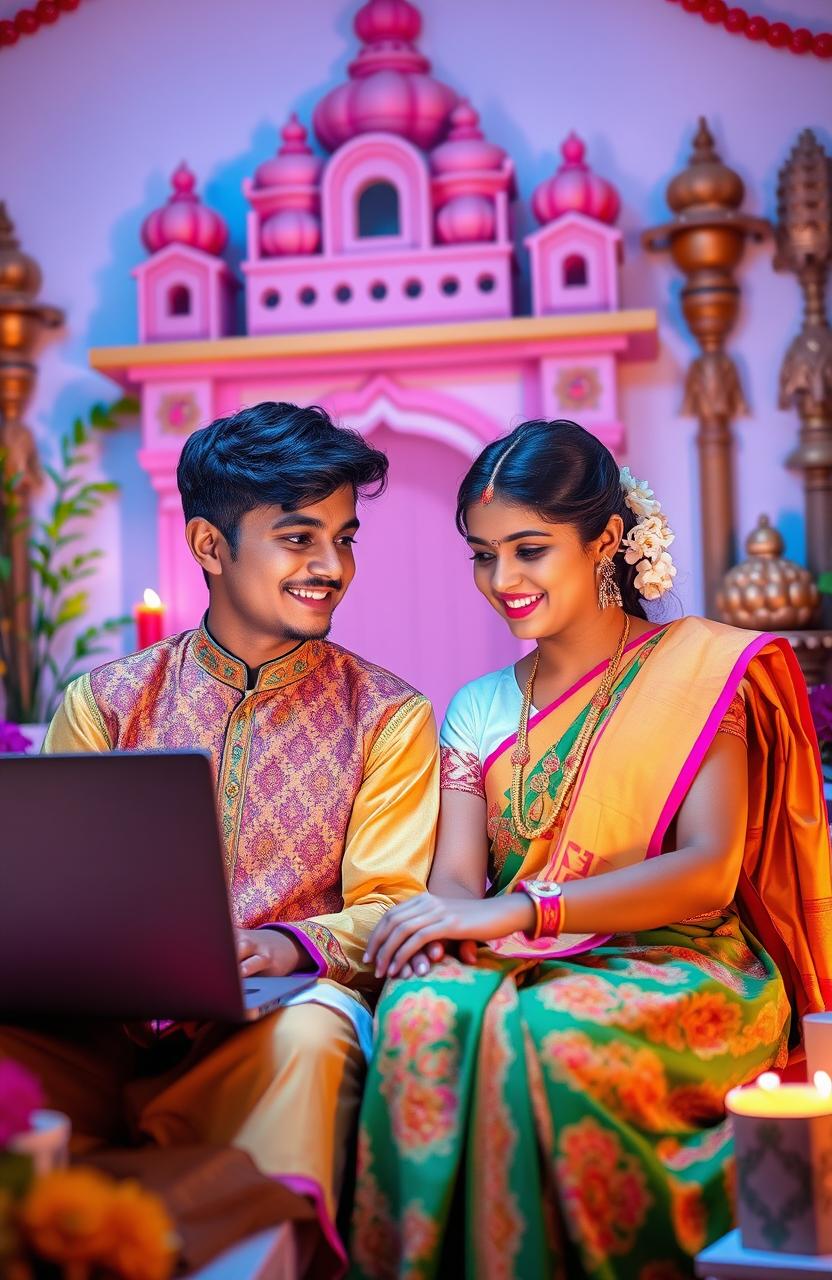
column 21, row 320
column 804, row 246
column 706, row 241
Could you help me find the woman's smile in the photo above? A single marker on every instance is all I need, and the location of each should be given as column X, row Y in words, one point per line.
column 519, row 606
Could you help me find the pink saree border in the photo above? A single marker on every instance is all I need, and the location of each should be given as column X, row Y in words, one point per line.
column 541, row 715
column 303, row 1186
column 707, row 734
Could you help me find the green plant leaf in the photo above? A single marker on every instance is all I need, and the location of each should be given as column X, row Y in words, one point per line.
column 825, row 583
column 99, row 415
column 127, row 406
column 16, row 1173
column 71, row 607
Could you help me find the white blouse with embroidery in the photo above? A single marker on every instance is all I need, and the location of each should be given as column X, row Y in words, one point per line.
column 479, row 719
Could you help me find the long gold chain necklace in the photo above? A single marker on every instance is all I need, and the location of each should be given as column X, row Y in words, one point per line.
column 520, row 756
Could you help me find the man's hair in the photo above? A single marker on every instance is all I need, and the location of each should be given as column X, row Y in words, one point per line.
column 272, row 454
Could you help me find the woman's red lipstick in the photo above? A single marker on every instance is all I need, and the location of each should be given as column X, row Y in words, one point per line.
column 520, row 611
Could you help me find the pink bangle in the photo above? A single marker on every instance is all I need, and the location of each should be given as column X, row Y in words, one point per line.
column 548, row 906
column 551, row 917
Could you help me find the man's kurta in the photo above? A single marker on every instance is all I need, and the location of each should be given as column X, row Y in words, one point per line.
column 327, row 777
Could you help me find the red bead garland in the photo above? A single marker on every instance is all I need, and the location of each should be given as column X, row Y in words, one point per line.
column 779, row 35
column 27, row 21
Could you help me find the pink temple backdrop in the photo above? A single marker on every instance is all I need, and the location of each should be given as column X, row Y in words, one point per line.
column 108, row 103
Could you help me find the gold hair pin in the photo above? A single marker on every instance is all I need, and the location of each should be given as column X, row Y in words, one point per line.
column 487, row 494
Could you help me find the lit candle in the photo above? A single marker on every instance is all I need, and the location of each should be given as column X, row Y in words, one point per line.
column 783, row 1146
column 150, row 617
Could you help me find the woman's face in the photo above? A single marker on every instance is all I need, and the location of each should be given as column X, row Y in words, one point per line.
column 537, row 575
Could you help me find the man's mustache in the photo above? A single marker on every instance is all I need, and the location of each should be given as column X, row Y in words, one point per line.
column 315, row 584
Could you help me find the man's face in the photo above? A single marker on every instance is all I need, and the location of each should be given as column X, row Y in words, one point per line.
column 291, row 568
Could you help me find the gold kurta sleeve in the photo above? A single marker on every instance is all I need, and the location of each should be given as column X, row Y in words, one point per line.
column 77, row 725
column 389, row 845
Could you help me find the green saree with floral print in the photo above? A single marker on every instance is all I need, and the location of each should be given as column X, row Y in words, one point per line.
column 557, row 1110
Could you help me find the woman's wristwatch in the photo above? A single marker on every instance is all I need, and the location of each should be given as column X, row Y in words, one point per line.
column 548, row 906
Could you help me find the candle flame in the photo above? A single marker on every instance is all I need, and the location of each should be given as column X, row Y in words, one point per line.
column 769, row 1081
column 823, row 1083
column 151, row 599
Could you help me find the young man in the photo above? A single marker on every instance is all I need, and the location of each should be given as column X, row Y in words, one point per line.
column 327, row 787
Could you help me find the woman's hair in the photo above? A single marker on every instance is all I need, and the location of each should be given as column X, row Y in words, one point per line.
column 272, row 454
column 565, row 474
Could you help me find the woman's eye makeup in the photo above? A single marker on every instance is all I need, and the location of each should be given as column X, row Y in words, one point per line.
column 522, row 553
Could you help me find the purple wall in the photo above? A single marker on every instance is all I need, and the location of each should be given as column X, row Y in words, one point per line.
column 101, row 108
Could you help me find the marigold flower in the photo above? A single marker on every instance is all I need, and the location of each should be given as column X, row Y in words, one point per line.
column 143, row 1239
column 66, row 1215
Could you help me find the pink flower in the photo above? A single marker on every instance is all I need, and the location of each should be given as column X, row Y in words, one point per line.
column 20, row 1095
column 11, row 739
column 820, row 701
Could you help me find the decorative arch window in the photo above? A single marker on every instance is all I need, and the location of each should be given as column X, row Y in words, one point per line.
column 179, row 300
column 574, row 270
column 378, row 210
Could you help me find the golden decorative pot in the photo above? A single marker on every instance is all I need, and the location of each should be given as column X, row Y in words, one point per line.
column 767, row 592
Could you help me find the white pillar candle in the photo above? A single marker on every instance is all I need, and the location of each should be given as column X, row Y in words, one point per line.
column 783, row 1146
column 46, row 1141
column 817, row 1040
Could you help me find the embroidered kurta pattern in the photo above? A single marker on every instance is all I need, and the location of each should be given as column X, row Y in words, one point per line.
column 326, row 776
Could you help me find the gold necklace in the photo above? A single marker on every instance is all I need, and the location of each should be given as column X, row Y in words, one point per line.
column 520, row 756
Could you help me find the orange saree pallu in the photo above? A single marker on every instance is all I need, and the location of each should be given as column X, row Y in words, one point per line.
column 558, row 1110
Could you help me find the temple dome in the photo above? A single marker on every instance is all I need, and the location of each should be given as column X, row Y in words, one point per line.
column 575, row 189
column 390, row 89
column 185, row 219
column 466, row 147
column 467, row 162
column 295, row 164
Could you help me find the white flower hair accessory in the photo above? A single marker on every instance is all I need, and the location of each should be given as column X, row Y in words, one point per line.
column 646, row 544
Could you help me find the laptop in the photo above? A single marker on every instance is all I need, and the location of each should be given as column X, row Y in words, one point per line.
column 113, row 898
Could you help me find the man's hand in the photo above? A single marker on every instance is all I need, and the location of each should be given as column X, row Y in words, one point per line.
column 270, row 952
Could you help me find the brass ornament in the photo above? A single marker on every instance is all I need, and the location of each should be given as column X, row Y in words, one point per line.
column 804, row 246
column 706, row 241
column 22, row 318
column 766, row 591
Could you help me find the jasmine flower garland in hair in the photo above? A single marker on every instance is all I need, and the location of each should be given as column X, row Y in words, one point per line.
column 646, row 544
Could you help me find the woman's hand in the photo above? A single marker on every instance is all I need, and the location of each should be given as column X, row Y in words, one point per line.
column 408, row 929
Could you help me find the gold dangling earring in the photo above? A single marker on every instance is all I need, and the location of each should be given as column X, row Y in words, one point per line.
column 609, row 592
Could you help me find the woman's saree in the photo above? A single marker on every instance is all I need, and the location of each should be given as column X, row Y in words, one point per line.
column 558, row 1110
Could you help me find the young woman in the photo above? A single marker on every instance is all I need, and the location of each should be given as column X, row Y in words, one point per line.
column 555, row 1107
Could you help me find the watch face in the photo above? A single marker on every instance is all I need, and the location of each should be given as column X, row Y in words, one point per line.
column 546, row 888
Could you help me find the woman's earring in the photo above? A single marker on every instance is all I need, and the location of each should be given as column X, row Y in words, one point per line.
column 609, row 592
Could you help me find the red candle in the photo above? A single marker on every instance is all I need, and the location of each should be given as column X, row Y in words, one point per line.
column 150, row 618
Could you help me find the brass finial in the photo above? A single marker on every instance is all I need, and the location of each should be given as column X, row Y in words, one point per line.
column 804, row 246
column 706, row 241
